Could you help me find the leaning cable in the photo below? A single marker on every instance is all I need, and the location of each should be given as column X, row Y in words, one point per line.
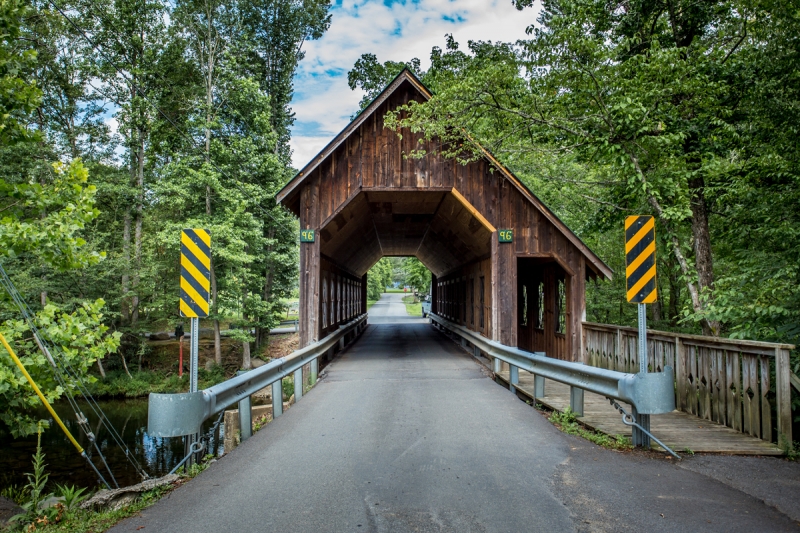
column 49, row 407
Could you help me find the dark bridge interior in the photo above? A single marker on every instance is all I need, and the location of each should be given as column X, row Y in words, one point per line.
column 439, row 228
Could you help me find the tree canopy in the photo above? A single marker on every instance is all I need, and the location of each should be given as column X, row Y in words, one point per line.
column 121, row 123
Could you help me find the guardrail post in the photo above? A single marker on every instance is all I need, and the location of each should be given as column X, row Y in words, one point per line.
column 496, row 364
column 463, row 342
column 341, row 343
column 277, row 399
column 245, row 416
column 576, row 400
column 245, row 420
column 298, row 384
column 314, row 370
column 513, row 378
column 538, row 387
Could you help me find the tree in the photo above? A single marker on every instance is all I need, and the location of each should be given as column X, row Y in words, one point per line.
column 646, row 98
column 378, row 278
column 54, row 239
column 19, row 95
column 417, row 275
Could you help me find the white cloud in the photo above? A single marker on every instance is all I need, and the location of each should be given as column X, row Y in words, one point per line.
column 323, row 102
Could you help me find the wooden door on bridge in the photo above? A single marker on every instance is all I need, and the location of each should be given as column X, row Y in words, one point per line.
column 366, row 200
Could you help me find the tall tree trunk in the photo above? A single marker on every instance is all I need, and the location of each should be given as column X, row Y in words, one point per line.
column 100, row 367
column 215, row 310
column 702, row 249
column 124, row 364
column 674, row 292
column 262, row 334
column 126, row 242
column 246, row 364
column 138, row 229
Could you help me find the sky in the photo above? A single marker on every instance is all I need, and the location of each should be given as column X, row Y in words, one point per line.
column 392, row 30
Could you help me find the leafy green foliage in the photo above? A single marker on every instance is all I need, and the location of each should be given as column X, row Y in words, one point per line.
column 568, row 423
column 46, row 220
column 72, row 497
column 417, row 275
column 373, row 77
column 287, row 386
column 378, row 278
column 19, row 95
column 82, row 339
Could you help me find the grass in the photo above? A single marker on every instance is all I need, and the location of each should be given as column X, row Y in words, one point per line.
column 394, row 291
column 413, row 305
column 118, row 385
column 85, row 521
column 568, row 423
column 370, row 303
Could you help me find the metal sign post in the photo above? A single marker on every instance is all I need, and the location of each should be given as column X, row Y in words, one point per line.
column 640, row 259
column 194, row 301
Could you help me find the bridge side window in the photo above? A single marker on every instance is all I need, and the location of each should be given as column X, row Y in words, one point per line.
column 472, row 302
column 561, row 302
column 524, row 314
column 325, row 301
column 463, row 286
column 540, row 306
column 482, row 312
column 337, row 297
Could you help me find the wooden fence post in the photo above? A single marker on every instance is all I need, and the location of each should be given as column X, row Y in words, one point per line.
column 680, row 374
column 784, row 396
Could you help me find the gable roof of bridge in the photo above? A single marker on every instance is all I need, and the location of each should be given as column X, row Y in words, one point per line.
column 289, row 190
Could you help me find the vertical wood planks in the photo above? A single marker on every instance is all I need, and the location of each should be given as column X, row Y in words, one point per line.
column 766, row 408
column 724, row 383
column 737, row 391
column 747, row 404
column 680, row 374
column 783, row 396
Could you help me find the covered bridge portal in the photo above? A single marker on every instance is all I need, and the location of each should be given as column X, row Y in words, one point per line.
column 366, row 201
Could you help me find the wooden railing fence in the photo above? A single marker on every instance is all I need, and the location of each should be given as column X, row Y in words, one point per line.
column 744, row 385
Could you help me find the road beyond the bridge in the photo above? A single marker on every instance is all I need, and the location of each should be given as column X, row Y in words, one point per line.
column 406, row 432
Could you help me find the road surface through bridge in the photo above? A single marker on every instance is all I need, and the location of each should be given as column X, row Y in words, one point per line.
column 406, row 432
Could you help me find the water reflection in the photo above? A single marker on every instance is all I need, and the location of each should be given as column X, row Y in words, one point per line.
column 156, row 455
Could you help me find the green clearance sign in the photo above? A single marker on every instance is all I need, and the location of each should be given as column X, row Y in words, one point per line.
column 506, row 235
column 307, row 235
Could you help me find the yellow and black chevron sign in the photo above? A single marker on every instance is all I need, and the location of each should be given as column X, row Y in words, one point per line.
column 195, row 272
column 640, row 258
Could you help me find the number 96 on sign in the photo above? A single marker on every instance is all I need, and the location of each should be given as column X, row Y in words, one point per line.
column 506, row 235
column 307, row 235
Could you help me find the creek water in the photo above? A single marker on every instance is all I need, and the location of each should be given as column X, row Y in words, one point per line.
column 156, row 455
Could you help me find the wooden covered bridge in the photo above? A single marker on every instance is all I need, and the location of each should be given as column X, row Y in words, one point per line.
column 504, row 266
column 366, row 200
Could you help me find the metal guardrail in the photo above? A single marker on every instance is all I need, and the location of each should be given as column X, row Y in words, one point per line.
column 651, row 393
column 174, row 415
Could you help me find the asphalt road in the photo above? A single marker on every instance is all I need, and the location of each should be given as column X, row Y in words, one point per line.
column 407, row 433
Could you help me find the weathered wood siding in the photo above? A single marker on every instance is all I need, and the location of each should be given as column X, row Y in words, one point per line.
column 371, row 160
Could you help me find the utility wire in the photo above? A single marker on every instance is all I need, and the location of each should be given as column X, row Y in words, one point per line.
column 61, row 365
